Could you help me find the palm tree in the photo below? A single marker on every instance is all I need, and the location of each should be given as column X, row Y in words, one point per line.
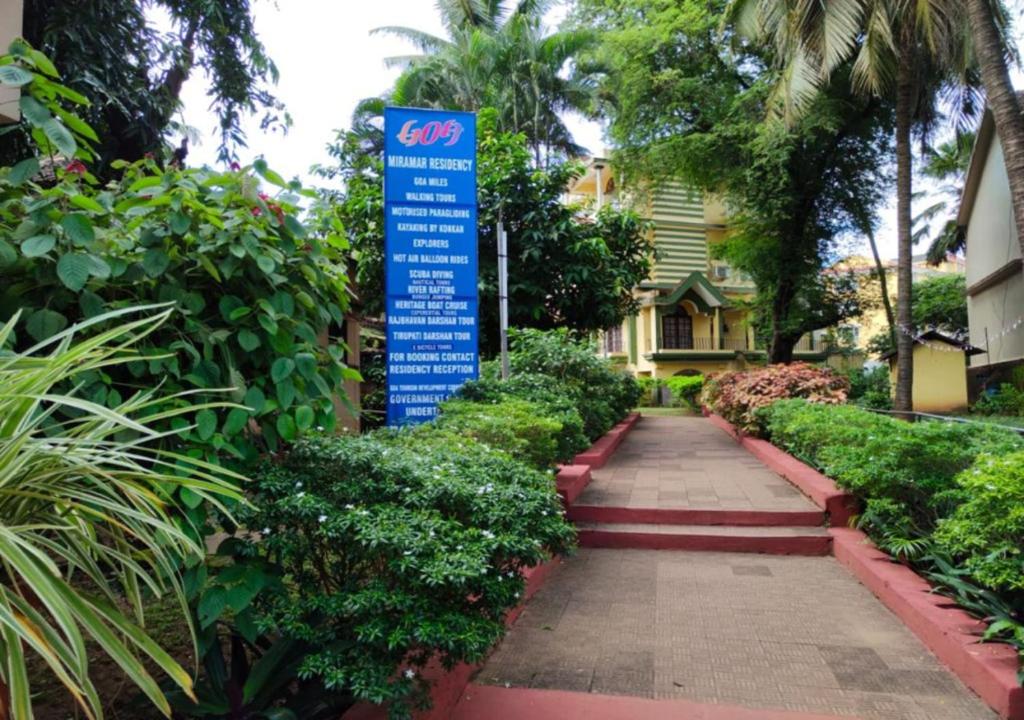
column 914, row 52
column 500, row 58
column 947, row 165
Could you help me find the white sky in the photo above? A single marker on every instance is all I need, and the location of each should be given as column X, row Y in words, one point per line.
column 329, row 61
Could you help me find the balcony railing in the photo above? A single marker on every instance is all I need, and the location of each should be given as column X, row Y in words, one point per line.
column 806, row 344
column 710, row 343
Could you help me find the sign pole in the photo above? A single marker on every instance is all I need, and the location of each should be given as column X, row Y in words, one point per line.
column 503, row 295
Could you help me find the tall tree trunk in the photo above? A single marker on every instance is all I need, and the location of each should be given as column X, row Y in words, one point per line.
column 883, row 283
column 1002, row 99
column 904, row 186
column 780, row 348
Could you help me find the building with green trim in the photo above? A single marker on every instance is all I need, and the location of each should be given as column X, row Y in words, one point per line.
column 692, row 316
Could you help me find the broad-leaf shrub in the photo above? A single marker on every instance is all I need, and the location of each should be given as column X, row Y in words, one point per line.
column 555, row 399
column 904, row 472
column 685, row 389
column 986, row 532
column 256, row 291
column 603, row 394
column 737, row 396
column 394, row 548
column 1008, row 400
column 519, row 427
column 870, row 387
column 649, row 387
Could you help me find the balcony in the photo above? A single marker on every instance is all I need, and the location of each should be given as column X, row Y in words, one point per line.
column 722, row 346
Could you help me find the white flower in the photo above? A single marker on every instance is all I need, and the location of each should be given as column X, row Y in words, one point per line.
column 298, row 485
column 322, row 518
column 410, row 673
column 488, row 534
column 265, row 531
column 301, row 494
column 319, row 428
column 350, row 506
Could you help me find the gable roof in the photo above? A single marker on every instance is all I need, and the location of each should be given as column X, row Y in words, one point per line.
column 699, row 284
column 936, row 336
column 976, row 168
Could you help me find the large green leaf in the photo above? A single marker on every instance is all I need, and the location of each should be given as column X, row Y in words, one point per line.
column 38, row 245
column 61, row 137
column 74, row 270
column 286, row 427
column 22, row 171
column 34, row 111
column 14, row 76
column 282, row 368
column 79, row 228
column 206, row 424
column 248, row 340
column 45, row 323
column 155, row 262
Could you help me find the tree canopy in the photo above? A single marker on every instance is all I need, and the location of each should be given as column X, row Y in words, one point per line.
column 502, row 58
column 683, row 106
column 110, row 52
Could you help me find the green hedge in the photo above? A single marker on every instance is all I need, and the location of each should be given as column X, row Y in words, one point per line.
column 948, row 497
column 904, row 472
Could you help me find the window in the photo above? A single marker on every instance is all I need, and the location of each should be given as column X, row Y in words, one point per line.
column 613, row 339
column 677, row 331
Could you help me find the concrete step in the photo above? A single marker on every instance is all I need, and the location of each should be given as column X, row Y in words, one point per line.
column 691, row 516
column 774, row 540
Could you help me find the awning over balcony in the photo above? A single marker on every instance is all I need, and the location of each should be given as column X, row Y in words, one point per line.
column 699, row 288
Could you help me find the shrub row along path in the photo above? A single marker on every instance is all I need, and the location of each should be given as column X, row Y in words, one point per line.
column 619, row 632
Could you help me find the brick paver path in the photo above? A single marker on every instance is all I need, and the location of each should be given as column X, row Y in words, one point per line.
column 686, row 462
column 760, row 631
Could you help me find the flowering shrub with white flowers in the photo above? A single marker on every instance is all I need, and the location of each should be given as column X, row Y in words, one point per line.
column 390, row 549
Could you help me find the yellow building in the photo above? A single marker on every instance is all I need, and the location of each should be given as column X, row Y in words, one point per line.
column 940, row 372
column 873, row 321
column 691, row 317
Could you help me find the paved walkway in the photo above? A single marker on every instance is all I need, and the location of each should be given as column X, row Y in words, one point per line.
column 764, row 632
column 686, row 462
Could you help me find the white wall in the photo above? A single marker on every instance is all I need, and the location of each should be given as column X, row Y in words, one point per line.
column 991, row 243
column 991, row 232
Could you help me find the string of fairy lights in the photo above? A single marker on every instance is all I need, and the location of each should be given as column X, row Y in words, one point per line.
column 945, row 347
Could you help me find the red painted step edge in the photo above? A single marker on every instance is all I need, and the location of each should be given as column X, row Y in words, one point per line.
column 447, row 685
column 571, row 481
column 684, row 516
column 840, row 505
column 990, row 669
column 598, row 453
column 810, row 545
column 488, row 702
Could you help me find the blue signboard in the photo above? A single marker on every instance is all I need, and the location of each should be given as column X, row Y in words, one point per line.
column 430, row 247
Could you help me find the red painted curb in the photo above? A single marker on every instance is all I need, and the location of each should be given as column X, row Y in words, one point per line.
column 598, row 453
column 487, row 702
column 840, row 505
column 989, row 669
column 682, row 516
column 447, row 686
column 811, row 545
column 571, row 481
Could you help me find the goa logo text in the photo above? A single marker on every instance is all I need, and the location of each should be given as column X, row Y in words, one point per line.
column 430, row 133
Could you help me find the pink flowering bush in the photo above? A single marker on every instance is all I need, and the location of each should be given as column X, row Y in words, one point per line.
column 737, row 396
